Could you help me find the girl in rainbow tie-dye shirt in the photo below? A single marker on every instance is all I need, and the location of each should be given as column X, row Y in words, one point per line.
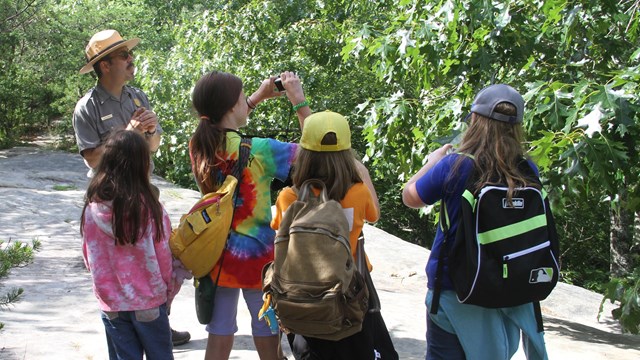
column 214, row 148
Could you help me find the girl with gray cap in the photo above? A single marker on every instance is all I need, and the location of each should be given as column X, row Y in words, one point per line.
column 493, row 146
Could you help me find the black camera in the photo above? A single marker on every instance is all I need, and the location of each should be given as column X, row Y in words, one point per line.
column 278, row 83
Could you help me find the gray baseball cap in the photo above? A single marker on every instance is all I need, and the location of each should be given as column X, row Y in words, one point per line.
column 487, row 99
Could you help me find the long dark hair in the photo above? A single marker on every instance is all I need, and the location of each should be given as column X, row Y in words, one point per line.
column 213, row 96
column 336, row 169
column 122, row 177
column 497, row 148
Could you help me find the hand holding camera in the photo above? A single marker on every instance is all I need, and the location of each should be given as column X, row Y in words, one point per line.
column 278, row 83
column 287, row 83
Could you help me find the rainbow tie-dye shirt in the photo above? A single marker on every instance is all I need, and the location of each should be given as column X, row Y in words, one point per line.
column 250, row 245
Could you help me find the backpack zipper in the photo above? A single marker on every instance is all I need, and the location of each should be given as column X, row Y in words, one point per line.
column 517, row 254
column 206, row 203
column 305, row 298
column 338, row 238
column 504, row 188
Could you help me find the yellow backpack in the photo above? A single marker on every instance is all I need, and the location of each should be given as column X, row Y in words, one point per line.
column 202, row 234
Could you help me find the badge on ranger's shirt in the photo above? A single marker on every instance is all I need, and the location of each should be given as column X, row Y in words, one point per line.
column 137, row 102
column 106, row 117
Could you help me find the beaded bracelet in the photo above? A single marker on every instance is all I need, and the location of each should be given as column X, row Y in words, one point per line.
column 300, row 105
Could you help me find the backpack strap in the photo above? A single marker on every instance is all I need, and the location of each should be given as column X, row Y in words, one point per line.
column 444, row 226
column 361, row 265
column 538, row 314
column 243, row 158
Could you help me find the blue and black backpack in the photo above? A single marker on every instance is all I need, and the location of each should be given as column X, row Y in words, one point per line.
column 505, row 251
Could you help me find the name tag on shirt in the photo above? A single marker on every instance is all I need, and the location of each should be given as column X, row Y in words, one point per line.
column 106, row 117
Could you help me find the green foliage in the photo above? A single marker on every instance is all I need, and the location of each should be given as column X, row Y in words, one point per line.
column 64, row 187
column 437, row 55
column 13, row 254
column 411, row 226
column 626, row 292
column 584, row 241
column 272, row 37
column 581, row 89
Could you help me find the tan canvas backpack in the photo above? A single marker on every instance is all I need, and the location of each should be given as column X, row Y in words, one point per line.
column 314, row 285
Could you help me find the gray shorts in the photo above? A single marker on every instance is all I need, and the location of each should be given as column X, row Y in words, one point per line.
column 225, row 312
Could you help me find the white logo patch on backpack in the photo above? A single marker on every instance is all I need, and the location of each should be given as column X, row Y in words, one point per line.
column 541, row 275
column 516, row 203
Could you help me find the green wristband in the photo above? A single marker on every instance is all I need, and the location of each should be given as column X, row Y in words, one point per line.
column 300, row 105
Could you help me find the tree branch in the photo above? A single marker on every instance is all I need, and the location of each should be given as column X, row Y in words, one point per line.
column 26, row 7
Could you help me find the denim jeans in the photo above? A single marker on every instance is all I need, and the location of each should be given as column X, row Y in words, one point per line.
column 132, row 333
column 442, row 345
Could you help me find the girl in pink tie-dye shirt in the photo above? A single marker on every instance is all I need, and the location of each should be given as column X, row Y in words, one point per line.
column 125, row 232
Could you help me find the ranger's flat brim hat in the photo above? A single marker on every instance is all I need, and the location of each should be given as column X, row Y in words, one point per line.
column 102, row 44
column 488, row 98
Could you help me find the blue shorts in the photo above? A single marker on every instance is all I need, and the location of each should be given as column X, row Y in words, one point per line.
column 225, row 312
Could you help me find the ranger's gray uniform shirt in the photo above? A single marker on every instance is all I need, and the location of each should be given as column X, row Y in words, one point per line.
column 98, row 113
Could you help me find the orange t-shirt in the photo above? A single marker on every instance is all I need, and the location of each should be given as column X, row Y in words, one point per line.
column 357, row 205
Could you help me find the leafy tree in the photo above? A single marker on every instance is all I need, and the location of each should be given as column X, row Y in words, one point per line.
column 273, row 36
column 15, row 16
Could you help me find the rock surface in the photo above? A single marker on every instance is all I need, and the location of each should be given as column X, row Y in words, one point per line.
column 41, row 197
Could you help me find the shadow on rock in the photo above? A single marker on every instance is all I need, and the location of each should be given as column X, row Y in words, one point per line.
column 584, row 333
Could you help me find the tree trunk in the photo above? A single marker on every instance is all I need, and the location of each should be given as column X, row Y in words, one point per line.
column 635, row 246
column 622, row 239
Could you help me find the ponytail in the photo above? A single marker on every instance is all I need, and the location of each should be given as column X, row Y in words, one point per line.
column 206, row 143
column 214, row 95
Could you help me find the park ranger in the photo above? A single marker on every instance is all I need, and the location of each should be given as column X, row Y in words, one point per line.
column 113, row 105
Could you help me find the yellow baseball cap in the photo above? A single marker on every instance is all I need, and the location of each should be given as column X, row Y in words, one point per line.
column 317, row 125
